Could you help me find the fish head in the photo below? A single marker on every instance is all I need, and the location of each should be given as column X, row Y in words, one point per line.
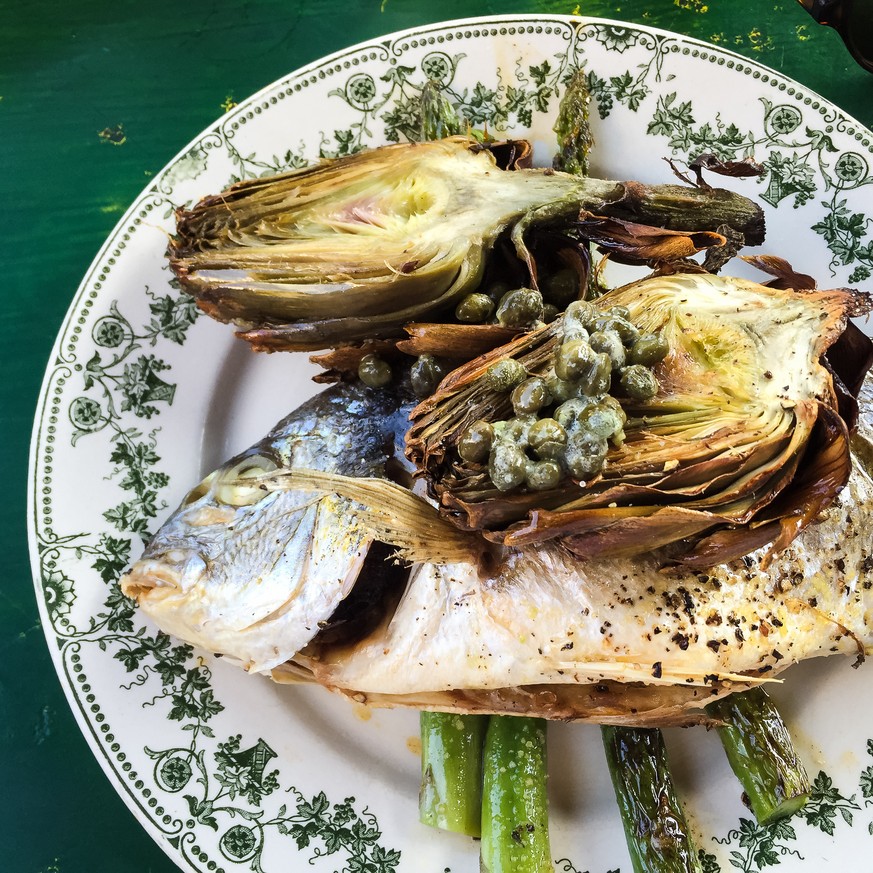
column 254, row 572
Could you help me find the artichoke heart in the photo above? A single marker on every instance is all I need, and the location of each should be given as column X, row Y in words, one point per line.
column 355, row 248
column 742, row 446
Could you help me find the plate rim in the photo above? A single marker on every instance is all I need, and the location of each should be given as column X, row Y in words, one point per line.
column 56, row 357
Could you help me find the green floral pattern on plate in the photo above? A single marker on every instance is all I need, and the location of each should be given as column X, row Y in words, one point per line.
column 219, row 793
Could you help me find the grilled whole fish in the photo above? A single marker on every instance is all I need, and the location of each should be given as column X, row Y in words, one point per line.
column 262, row 576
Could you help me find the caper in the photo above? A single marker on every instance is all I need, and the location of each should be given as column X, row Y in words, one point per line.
column 574, row 331
column 547, row 439
column 613, row 404
column 560, row 389
column 374, row 372
column 568, row 413
column 515, row 430
column 474, row 309
column 507, row 466
column 476, row 442
column 585, row 454
column 520, row 307
column 638, row 382
column 562, row 287
column 598, row 377
column 603, row 421
column 609, row 342
column 582, row 313
column 573, row 359
column 550, row 313
column 546, row 430
column 426, row 373
column 620, row 311
column 505, row 374
column 627, row 331
column 543, row 475
column 649, row 349
column 531, row 396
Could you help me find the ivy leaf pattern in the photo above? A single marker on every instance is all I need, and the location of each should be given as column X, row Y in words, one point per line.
column 708, row 863
column 759, row 846
column 134, row 459
column 866, row 780
column 172, row 316
column 825, row 802
column 844, row 231
column 112, row 555
column 671, row 118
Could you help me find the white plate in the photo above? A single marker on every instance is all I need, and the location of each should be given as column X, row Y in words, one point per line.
column 229, row 772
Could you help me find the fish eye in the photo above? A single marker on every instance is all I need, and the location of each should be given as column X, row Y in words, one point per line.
column 198, row 491
column 230, row 491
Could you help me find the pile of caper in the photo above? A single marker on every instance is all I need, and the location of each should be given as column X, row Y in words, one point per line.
column 565, row 419
column 425, row 374
column 497, row 303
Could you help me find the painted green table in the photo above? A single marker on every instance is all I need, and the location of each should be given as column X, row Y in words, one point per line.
column 94, row 99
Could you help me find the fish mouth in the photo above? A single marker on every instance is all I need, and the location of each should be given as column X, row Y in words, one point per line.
column 156, row 579
column 155, row 582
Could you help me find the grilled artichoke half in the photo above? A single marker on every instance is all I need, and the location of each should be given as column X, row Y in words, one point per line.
column 355, row 248
column 742, row 446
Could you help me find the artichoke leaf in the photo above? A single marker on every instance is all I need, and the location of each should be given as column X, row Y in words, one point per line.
column 785, row 276
column 849, row 359
column 628, row 242
column 826, row 468
column 742, row 446
column 457, row 341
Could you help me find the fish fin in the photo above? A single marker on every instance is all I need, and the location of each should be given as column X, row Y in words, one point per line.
column 391, row 512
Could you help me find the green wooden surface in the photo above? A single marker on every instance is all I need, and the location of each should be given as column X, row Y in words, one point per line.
column 153, row 75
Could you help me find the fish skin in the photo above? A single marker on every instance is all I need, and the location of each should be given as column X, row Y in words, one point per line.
column 862, row 439
column 545, row 617
column 253, row 582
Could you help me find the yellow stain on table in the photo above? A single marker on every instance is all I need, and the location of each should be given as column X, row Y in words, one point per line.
column 692, row 5
column 755, row 39
column 228, row 103
column 414, row 745
column 114, row 134
column 758, row 41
